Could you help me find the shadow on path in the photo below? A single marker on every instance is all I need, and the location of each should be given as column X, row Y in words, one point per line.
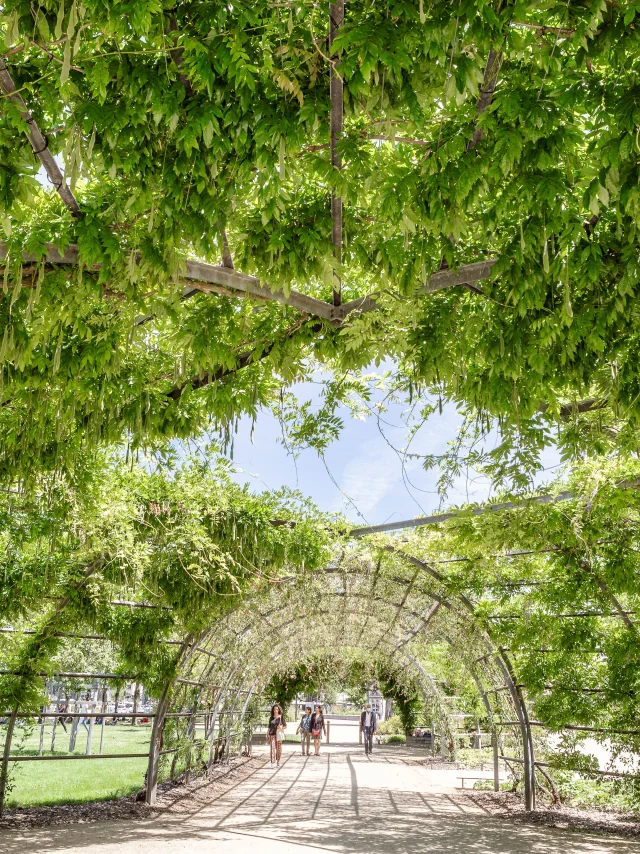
column 339, row 803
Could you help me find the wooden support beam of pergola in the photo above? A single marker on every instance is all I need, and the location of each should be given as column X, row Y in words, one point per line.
column 438, row 518
column 336, row 86
column 209, row 277
column 38, row 141
column 205, row 277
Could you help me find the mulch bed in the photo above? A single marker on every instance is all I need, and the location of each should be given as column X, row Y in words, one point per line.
column 580, row 819
column 178, row 797
column 510, row 805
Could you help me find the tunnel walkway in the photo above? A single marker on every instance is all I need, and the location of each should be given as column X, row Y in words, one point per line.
column 340, row 801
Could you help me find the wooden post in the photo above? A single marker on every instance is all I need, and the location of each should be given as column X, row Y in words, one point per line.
column 102, row 725
column 4, row 770
column 74, row 734
column 443, row 751
column 212, row 745
column 336, row 19
column 155, row 746
column 328, row 731
column 496, row 761
column 191, row 729
column 90, row 733
column 41, row 745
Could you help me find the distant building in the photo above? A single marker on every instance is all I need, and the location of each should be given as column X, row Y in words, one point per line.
column 377, row 702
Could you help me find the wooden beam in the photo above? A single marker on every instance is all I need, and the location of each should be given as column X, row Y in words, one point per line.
column 465, row 275
column 492, row 69
column 210, row 277
column 438, row 518
column 336, row 88
column 38, row 142
column 245, row 359
column 203, row 275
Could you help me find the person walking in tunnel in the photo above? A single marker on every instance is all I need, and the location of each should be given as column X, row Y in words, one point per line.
column 368, row 727
column 317, row 728
column 275, row 734
column 304, row 729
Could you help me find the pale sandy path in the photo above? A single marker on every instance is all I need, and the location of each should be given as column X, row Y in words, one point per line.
column 339, row 802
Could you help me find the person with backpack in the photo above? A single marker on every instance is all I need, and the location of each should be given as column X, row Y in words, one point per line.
column 304, row 729
column 275, row 734
column 368, row 727
column 317, row 728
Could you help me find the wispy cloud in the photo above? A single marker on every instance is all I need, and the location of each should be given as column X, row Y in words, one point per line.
column 368, row 477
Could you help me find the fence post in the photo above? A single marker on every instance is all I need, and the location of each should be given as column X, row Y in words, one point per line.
column 328, row 731
column 90, row 733
column 496, row 761
column 155, row 746
column 74, row 733
column 4, row 771
column 42, row 721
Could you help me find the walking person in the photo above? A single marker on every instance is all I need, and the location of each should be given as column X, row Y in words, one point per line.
column 304, row 729
column 317, row 728
column 368, row 727
column 275, row 734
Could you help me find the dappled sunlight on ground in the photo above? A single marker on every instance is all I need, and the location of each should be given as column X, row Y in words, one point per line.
column 340, row 801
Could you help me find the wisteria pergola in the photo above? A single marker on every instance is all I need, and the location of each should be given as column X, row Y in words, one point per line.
column 236, row 193
column 204, row 203
column 535, row 634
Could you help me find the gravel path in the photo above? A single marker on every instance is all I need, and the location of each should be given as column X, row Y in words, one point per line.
column 338, row 802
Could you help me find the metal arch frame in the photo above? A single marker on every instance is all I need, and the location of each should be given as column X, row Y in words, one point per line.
column 507, row 670
column 368, row 614
column 194, row 646
column 431, row 691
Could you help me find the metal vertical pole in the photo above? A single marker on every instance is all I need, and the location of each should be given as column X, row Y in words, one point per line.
column 90, row 733
column 155, row 744
column 42, row 722
column 4, row 771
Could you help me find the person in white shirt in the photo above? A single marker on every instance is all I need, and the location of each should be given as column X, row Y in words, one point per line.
column 368, row 727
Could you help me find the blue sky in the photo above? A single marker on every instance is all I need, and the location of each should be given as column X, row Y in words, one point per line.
column 363, row 475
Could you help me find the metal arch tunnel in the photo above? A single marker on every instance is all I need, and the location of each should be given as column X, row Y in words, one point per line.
column 351, row 604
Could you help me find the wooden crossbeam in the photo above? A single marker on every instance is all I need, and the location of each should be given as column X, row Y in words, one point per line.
column 38, row 142
column 336, row 88
column 438, row 518
column 203, row 276
column 209, row 277
column 466, row 275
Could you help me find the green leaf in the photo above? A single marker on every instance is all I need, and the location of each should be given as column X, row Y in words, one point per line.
column 66, row 63
column 59, row 21
column 12, row 33
column 545, row 256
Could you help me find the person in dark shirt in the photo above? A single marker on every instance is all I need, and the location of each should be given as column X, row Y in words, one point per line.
column 304, row 728
column 317, row 728
column 275, row 734
column 368, row 727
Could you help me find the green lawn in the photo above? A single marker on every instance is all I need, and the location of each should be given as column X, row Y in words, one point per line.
column 66, row 782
